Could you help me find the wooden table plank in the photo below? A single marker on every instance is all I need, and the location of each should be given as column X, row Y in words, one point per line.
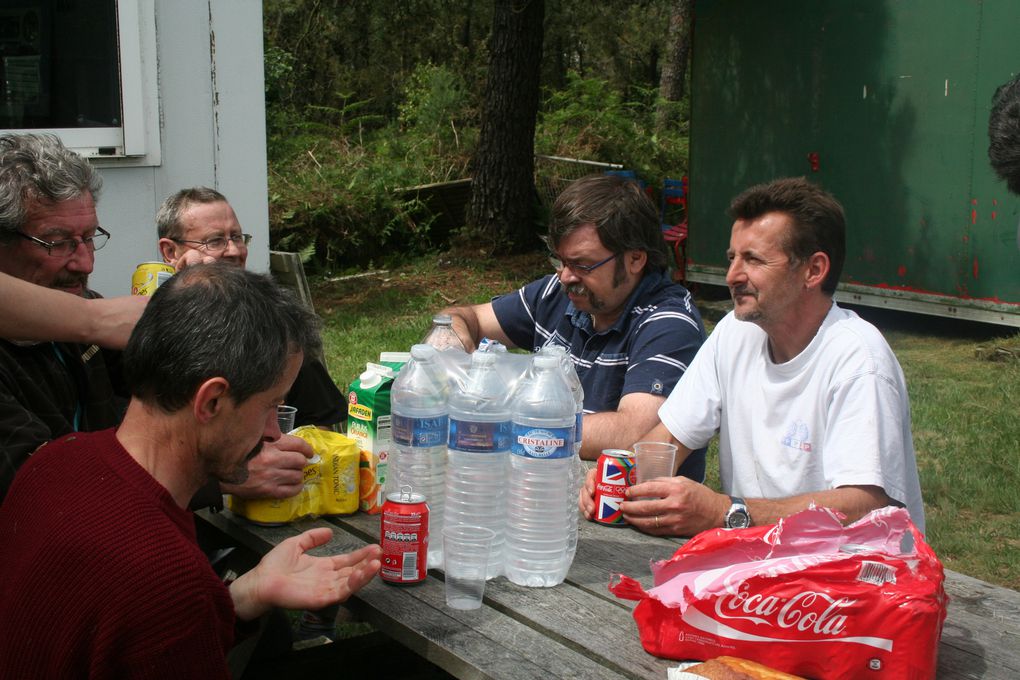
column 566, row 613
column 981, row 636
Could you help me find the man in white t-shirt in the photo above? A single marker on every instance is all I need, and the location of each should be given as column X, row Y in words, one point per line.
column 808, row 399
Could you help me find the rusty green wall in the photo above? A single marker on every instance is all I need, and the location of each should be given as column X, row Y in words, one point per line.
column 893, row 96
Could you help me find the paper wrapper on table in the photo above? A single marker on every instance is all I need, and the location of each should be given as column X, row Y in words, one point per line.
column 330, row 483
column 337, row 477
column 806, row 596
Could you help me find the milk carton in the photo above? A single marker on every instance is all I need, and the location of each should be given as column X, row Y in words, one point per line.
column 368, row 424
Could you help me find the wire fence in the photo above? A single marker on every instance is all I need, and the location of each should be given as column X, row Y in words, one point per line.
column 554, row 173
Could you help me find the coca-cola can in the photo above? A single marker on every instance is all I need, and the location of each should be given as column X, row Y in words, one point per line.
column 404, row 537
column 614, row 472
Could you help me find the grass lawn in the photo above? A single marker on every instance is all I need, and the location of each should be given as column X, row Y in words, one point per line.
column 966, row 409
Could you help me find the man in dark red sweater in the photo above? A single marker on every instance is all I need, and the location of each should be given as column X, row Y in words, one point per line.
column 101, row 576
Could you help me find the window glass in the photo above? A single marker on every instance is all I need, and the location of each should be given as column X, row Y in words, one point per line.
column 58, row 64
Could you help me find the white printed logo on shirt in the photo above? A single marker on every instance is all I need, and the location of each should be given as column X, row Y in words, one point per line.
column 797, row 436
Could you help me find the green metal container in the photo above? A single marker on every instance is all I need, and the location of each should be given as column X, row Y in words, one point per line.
column 884, row 103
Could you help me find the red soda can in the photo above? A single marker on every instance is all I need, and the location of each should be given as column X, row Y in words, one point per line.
column 404, row 537
column 614, row 472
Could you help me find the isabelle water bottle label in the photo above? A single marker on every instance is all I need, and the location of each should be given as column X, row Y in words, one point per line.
column 420, row 432
column 544, row 442
column 475, row 437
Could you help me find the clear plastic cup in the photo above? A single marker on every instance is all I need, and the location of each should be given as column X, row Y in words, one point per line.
column 285, row 416
column 465, row 561
column 654, row 460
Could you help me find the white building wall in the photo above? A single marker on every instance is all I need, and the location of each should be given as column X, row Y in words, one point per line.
column 211, row 131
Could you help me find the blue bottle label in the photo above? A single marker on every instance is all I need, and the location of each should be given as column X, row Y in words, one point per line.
column 578, row 423
column 542, row 442
column 419, row 432
column 475, row 437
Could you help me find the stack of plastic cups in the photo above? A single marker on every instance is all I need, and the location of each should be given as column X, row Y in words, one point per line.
column 420, row 429
column 537, row 552
column 478, row 457
column 577, row 469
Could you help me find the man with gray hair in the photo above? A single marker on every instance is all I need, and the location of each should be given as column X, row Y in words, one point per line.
column 199, row 225
column 49, row 233
column 212, row 357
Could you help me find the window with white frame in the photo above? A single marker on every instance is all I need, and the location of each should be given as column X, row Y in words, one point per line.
column 83, row 70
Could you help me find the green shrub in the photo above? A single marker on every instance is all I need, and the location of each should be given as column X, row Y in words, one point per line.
column 590, row 120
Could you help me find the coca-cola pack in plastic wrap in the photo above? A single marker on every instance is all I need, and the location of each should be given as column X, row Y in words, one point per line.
column 807, row 596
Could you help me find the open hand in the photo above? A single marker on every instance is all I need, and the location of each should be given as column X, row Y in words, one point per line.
column 289, row 577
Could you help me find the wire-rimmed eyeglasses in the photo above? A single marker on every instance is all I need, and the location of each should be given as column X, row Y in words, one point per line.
column 218, row 243
column 579, row 269
column 66, row 247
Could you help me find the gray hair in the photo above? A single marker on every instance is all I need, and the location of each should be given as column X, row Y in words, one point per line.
column 39, row 168
column 215, row 320
column 623, row 215
column 168, row 218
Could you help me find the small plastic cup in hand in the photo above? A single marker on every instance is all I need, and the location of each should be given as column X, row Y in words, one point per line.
column 466, row 557
column 285, row 416
column 654, row 460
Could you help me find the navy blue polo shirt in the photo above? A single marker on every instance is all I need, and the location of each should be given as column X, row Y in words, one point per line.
column 646, row 350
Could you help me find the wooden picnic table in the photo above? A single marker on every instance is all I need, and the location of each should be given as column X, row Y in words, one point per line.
column 578, row 629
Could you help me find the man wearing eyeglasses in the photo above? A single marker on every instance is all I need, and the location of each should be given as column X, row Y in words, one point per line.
column 49, row 233
column 630, row 331
column 198, row 225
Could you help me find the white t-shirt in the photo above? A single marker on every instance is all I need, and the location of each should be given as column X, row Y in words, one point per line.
column 836, row 414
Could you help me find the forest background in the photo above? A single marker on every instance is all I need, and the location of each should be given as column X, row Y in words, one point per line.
column 365, row 98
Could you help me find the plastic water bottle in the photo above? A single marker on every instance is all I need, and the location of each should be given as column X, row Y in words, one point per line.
column 577, row 470
column 478, row 462
column 540, row 494
column 420, row 424
column 441, row 335
column 576, row 390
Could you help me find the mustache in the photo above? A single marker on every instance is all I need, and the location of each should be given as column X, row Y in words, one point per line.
column 575, row 288
column 742, row 290
column 71, row 279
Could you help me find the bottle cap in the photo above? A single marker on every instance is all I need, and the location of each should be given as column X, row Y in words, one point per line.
column 420, row 352
column 547, row 361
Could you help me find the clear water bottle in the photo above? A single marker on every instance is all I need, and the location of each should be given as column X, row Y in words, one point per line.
column 478, row 462
column 420, row 424
column 577, row 470
column 441, row 335
column 540, row 495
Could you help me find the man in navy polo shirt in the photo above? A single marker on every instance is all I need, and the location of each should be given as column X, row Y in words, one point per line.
column 630, row 331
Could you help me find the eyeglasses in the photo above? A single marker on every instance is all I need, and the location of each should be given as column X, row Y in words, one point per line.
column 66, row 247
column 579, row 269
column 219, row 244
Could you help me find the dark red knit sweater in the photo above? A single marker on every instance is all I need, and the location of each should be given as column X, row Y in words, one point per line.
column 100, row 575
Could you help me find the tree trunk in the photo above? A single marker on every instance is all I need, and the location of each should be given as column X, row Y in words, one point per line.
column 503, row 199
column 674, row 64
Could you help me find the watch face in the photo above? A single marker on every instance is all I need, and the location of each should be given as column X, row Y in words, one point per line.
column 737, row 518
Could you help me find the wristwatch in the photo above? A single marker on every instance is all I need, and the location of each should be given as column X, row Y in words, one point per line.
column 737, row 517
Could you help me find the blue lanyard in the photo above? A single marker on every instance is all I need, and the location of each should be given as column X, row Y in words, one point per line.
column 77, row 401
